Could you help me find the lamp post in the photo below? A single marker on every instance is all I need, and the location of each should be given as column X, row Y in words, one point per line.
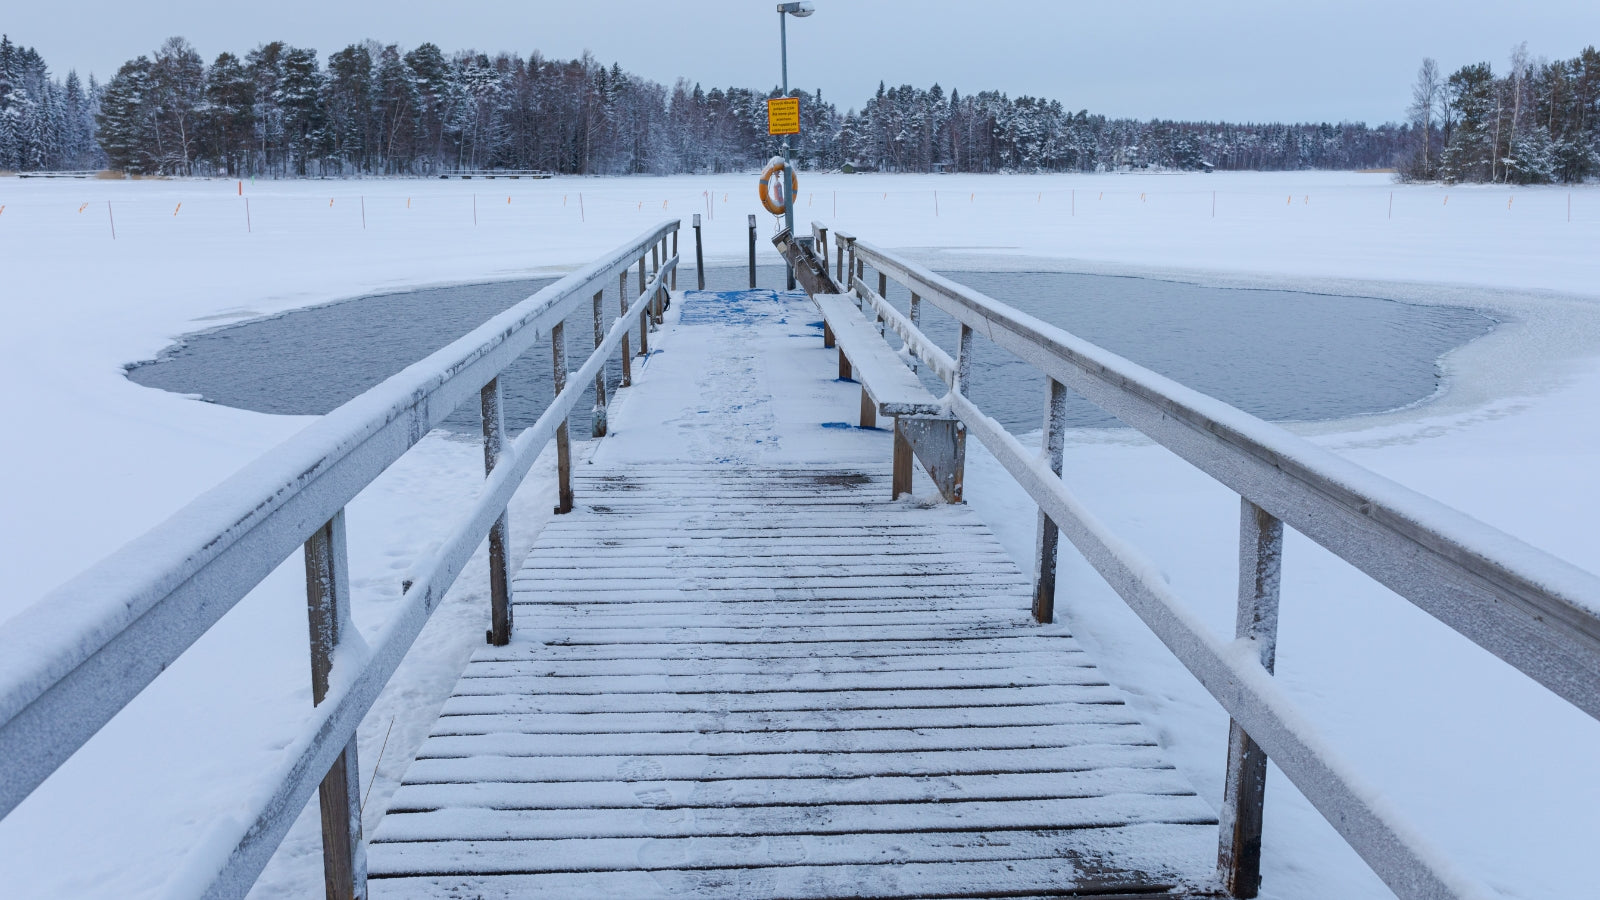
column 799, row 10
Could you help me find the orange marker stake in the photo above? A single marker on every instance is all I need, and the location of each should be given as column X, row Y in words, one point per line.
column 1508, row 202
column 178, row 207
column 408, row 203
column 330, row 203
column 1102, row 195
column 241, row 188
column 3, row 209
column 83, row 207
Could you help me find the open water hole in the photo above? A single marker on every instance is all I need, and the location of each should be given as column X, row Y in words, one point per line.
column 1279, row 355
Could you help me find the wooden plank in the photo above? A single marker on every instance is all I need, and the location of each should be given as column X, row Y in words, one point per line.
column 625, row 854
column 688, row 767
column 662, row 745
column 861, row 819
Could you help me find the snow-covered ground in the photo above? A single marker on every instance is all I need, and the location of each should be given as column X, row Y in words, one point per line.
column 1496, row 770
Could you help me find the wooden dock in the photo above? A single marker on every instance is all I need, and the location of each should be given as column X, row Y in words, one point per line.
column 735, row 680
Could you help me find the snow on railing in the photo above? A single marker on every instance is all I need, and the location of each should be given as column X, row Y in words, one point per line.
column 1533, row 610
column 77, row 657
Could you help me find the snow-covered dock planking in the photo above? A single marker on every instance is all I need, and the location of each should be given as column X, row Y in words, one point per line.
column 738, row 682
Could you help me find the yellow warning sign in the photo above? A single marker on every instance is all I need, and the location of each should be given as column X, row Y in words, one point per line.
column 783, row 115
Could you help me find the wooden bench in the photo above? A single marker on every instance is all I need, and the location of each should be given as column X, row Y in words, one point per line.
column 922, row 424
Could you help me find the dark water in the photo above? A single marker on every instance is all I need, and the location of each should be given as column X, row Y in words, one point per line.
column 1280, row 355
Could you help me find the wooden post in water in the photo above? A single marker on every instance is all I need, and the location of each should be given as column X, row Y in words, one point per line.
column 1047, row 536
column 558, row 353
column 1244, row 793
column 752, row 252
column 598, row 416
column 344, row 857
column 622, row 297
column 494, row 440
column 699, row 256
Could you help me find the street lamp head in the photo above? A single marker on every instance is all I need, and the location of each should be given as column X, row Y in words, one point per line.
column 799, row 9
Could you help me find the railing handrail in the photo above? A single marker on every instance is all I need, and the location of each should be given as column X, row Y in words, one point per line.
column 1561, row 601
column 1532, row 609
column 74, row 659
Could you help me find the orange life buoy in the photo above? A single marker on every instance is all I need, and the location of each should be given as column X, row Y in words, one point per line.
column 779, row 204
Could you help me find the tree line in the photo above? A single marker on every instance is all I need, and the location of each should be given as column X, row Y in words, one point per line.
column 373, row 109
column 1538, row 123
column 44, row 123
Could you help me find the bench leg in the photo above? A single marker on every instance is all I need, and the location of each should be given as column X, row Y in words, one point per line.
column 869, row 411
column 902, row 463
column 941, row 444
column 844, row 366
column 827, row 334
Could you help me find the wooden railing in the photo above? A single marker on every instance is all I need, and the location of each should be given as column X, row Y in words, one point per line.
column 1531, row 609
column 72, row 661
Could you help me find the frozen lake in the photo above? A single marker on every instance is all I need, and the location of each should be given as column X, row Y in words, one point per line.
column 1280, row 355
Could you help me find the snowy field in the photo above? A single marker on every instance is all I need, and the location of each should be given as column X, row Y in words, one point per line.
column 1494, row 769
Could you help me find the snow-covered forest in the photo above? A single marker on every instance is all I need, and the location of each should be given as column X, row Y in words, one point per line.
column 1537, row 123
column 369, row 108
column 44, row 123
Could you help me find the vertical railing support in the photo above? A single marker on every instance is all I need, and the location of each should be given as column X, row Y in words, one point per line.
column 699, row 256
column 344, row 857
column 674, row 275
column 494, row 440
column 1047, row 536
column 622, row 298
column 752, row 252
column 963, row 360
column 558, row 354
column 598, row 415
column 656, row 256
column 1260, row 570
column 644, row 315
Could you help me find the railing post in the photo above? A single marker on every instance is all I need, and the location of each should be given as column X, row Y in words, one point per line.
column 598, row 415
column 622, row 297
column 963, row 360
column 1260, row 569
column 344, row 857
column 752, row 252
column 644, row 315
column 838, row 263
column 1048, row 536
column 558, row 353
column 699, row 256
column 494, row 439
column 674, row 253
column 655, row 296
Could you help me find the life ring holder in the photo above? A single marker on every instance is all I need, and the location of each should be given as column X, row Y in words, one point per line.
column 777, row 205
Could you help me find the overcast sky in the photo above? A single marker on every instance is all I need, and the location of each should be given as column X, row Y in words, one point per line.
column 1250, row 60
